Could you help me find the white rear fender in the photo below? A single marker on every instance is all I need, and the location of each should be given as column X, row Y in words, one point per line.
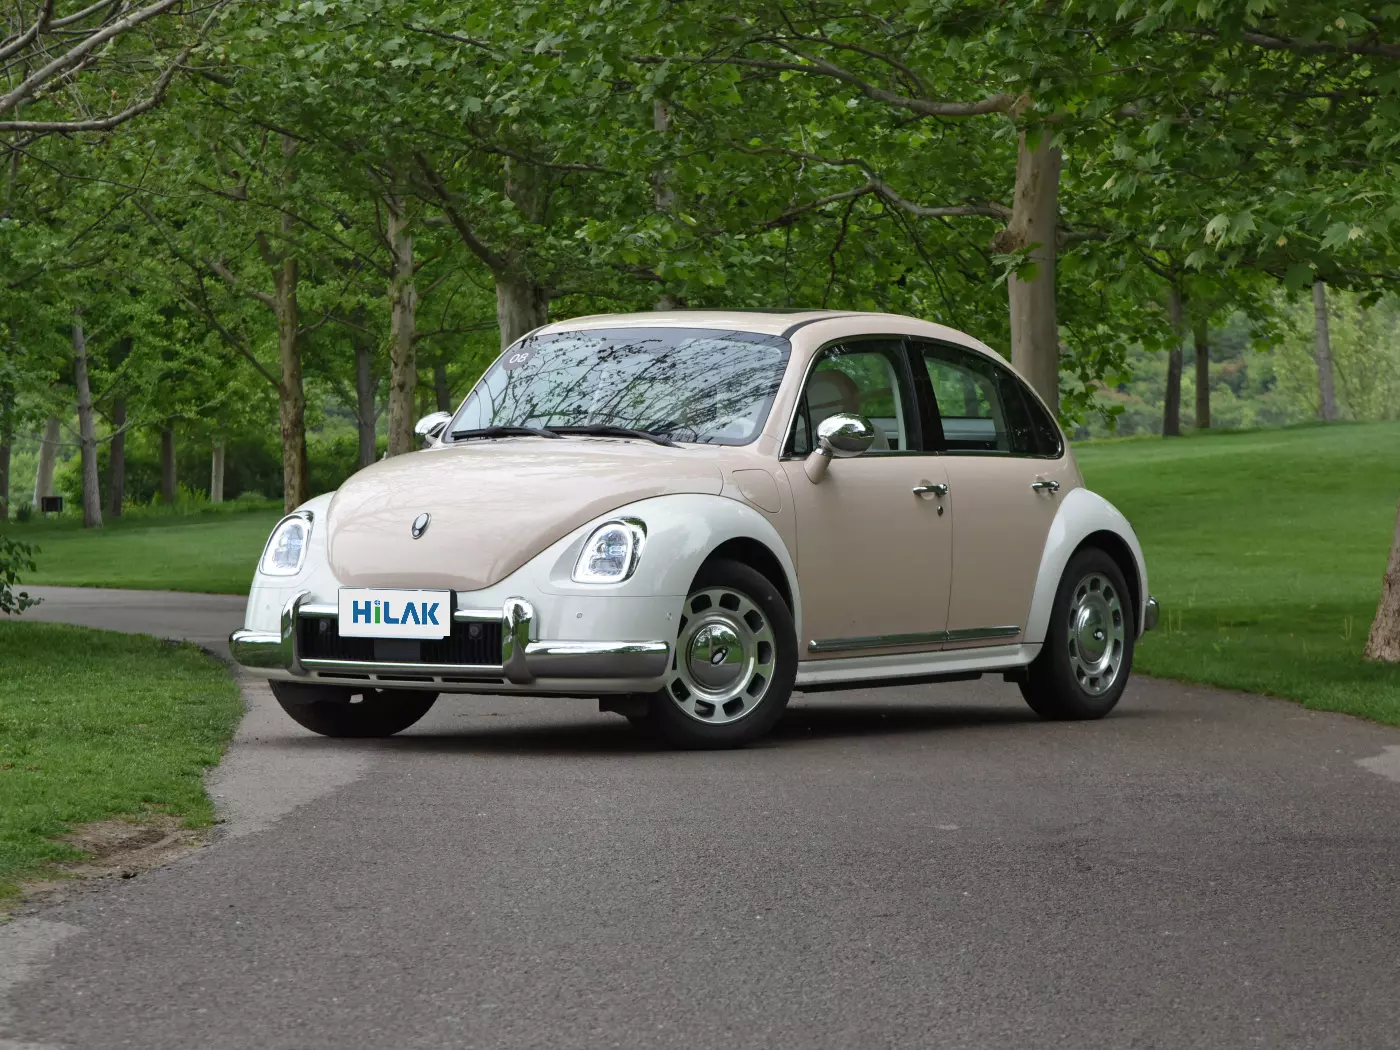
column 1082, row 514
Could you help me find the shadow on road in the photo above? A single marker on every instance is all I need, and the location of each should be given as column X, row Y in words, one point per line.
column 613, row 736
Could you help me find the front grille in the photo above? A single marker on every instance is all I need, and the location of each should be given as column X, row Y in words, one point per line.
column 477, row 643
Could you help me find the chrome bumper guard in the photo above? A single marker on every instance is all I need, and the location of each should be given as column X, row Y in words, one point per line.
column 1151, row 616
column 524, row 659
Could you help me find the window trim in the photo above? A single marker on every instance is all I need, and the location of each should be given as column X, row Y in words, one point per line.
column 1030, row 403
column 910, row 376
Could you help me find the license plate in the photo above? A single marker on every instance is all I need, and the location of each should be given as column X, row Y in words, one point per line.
column 375, row 612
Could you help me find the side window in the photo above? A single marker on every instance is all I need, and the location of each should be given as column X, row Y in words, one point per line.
column 1048, row 440
column 979, row 403
column 864, row 378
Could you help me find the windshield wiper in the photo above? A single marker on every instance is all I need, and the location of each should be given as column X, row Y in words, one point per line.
column 608, row 430
column 503, row 431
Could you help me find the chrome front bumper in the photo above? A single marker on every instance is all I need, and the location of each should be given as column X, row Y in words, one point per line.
column 1153, row 613
column 524, row 659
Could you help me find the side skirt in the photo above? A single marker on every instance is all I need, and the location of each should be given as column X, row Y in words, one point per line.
column 948, row 665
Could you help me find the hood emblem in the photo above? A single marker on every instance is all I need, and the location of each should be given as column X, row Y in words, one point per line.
column 420, row 524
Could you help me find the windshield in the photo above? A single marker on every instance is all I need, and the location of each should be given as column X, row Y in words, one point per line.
column 688, row 384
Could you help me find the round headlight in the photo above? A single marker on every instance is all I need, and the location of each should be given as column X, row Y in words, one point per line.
column 611, row 553
column 286, row 547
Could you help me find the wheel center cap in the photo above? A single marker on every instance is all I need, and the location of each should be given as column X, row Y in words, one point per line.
column 1093, row 638
column 715, row 656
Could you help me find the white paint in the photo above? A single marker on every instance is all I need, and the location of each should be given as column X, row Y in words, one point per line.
column 273, row 766
column 26, row 947
column 1386, row 764
column 1081, row 513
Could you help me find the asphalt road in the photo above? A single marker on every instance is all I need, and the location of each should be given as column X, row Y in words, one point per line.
column 921, row 867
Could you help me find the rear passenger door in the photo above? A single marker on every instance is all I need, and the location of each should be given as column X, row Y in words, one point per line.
column 1007, row 474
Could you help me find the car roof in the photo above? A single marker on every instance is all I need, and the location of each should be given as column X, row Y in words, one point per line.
column 768, row 322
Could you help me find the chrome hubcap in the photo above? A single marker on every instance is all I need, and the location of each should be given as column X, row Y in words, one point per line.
column 725, row 656
column 1096, row 633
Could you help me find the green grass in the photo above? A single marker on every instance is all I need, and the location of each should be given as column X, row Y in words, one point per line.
column 1266, row 549
column 96, row 725
column 213, row 552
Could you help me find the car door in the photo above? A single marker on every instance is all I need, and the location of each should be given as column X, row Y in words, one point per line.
column 1007, row 474
column 873, row 551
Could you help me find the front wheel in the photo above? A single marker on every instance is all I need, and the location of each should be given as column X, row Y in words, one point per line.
column 1083, row 668
column 338, row 712
column 734, row 663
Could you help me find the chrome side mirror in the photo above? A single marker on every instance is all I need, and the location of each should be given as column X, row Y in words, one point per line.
column 841, row 436
column 431, row 425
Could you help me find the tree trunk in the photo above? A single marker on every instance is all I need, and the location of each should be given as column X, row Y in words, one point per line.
column 291, row 393
column 663, row 193
column 1171, row 411
column 116, row 450
column 1202, row 338
column 522, row 302
column 403, row 306
column 1384, row 642
column 87, row 431
column 169, row 488
column 521, row 307
column 1322, row 351
column 1035, row 333
column 216, row 473
column 7, row 437
column 48, row 455
column 364, row 400
column 442, row 393
column 116, row 460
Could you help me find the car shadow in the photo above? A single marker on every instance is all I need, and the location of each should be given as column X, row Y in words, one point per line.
column 613, row 736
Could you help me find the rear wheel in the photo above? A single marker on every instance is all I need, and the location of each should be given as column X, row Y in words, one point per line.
column 734, row 662
column 335, row 711
column 1084, row 665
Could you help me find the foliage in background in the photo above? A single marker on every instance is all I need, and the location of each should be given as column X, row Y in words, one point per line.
column 15, row 557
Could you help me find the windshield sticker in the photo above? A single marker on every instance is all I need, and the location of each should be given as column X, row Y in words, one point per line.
column 516, row 357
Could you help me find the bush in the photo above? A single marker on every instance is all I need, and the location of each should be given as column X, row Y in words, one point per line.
column 14, row 557
column 24, row 512
column 252, row 466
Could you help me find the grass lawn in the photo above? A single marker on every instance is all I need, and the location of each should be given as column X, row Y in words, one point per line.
column 212, row 552
column 1266, row 549
column 96, row 725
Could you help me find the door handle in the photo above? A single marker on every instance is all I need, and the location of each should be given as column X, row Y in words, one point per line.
column 1046, row 486
column 937, row 488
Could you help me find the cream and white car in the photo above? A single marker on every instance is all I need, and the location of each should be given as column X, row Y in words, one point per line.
column 688, row 516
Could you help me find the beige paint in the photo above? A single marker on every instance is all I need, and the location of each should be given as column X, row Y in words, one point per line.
column 999, row 529
column 872, row 558
column 494, row 505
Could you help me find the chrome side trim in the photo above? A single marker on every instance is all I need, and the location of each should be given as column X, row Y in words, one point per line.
column 597, row 659
column 874, row 641
column 976, row 634
column 1151, row 615
column 889, row 641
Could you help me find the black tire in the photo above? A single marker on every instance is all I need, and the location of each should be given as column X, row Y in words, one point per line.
column 333, row 711
column 1055, row 686
column 665, row 718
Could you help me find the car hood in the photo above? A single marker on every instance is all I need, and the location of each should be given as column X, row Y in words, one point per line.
column 494, row 505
